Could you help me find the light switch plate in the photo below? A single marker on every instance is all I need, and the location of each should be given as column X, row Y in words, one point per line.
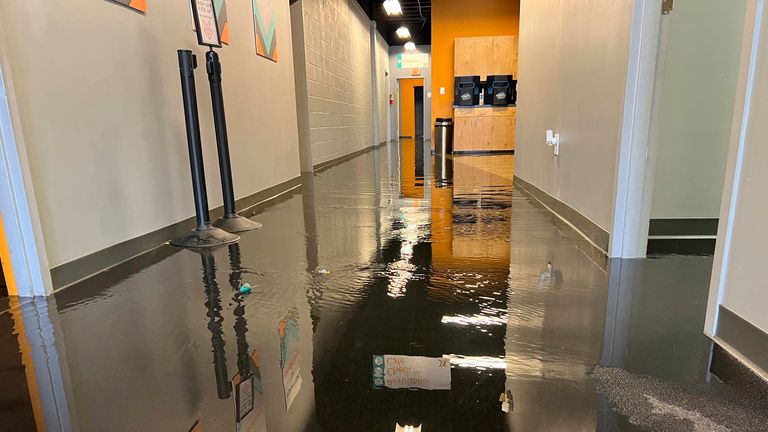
column 442, row 90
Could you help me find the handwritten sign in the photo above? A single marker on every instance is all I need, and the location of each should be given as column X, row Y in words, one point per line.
column 412, row 61
column 411, row 372
column 205, row 23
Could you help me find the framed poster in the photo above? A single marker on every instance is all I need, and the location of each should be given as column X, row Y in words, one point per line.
column 265, row 28
column 205, row 23
column 220, row 7
column 139, row 5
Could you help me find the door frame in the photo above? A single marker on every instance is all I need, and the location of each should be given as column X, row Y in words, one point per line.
column 398, row 102
column 21, row 221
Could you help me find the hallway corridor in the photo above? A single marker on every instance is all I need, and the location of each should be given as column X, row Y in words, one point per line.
column 387, row 257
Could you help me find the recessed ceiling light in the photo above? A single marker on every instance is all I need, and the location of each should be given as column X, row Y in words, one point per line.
column 393, row 7
column 403, row 32
column 410, row 46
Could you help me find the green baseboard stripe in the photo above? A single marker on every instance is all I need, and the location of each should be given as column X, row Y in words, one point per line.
column 322, row 166
column 72, row 272
column 589, row 229
column 739, row 335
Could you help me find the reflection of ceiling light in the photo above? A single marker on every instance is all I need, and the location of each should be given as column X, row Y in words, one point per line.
column 410, row 46
column 403, row 32
column 399, row 428
column 393, row 7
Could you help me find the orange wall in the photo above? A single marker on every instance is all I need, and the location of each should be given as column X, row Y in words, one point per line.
column 462, row 18
column 5, row 259
column 407, row 106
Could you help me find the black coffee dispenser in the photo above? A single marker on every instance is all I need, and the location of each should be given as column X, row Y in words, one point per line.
column 466, row 90
column 500, row 90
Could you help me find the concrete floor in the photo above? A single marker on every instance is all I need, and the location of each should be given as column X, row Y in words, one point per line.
column 388, row 254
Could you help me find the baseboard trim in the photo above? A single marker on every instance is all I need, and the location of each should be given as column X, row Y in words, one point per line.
column 482, row 152
column 70, row 273
column 322, row 166
column 743, row 340
column 683, row 227
column 590, row 230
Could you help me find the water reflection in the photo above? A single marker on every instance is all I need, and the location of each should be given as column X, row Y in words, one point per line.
column 394, row 253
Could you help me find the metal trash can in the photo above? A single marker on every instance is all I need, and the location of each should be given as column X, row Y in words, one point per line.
column 443, row 136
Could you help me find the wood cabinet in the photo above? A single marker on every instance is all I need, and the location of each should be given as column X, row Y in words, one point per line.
column 484, row 129
column 483, row 56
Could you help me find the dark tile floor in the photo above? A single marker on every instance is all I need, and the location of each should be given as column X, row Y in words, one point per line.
column 465, row 289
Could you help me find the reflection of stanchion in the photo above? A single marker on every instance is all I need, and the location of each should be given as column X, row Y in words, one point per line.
column 231, row 221
column 241, row 324
column 215, row 320
column 204, row 235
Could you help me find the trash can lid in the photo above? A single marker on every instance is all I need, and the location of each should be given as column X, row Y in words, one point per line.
column 443, row 120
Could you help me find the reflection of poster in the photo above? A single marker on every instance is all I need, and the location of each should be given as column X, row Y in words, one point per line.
column 249, row 399
column 288, row 328
column 264, row 25
column 139, row 5
column 400, row 371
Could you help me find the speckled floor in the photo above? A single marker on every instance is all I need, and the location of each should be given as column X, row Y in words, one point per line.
column 466, row 289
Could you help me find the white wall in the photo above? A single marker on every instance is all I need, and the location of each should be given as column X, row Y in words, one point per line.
column 396, row 73
column 98, row 92
column 338, row 54
column 738, row 280
column 695, row 109
column 573, row 70
column 382, row 87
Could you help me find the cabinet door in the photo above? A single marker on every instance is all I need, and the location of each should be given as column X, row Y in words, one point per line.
column 504, row 58
column 463, row 139
column 483, row 63
column 463, row 58
column 504, row 133
column 484, row 133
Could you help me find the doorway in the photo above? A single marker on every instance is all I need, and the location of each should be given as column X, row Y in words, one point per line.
column 410, row 116
column 418, row 102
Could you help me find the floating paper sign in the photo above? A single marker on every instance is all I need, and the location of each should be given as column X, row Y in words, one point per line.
column 399, row 371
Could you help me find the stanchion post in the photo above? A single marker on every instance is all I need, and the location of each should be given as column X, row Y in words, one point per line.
column 204, row 235
column 231, row 221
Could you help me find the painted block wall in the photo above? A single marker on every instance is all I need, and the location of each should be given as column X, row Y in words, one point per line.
column 572, row 74
column 382, row 88
column 98, row 93
column 695, row 109
column 338, row 55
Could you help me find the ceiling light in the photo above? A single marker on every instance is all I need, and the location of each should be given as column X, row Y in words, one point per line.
column 403, row 32
column 407, row 428
column 393, row 7
column 410, row 46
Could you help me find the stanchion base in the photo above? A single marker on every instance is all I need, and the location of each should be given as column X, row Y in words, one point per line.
column 237, row 224
column 205, row 238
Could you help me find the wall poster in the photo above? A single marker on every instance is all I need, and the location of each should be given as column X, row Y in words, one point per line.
column 205, row 23
column 139, row 5
column 221, row 17
column 265, row 28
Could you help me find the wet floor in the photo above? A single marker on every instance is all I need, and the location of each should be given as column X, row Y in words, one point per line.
column 388, row 290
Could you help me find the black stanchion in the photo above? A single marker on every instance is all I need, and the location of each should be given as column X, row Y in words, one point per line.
column 231, row 221
column 204, row 235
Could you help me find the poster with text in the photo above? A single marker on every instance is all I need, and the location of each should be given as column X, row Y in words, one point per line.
column 288, row 329
column 220, row 6
column 139, row 5
column 265, row 28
